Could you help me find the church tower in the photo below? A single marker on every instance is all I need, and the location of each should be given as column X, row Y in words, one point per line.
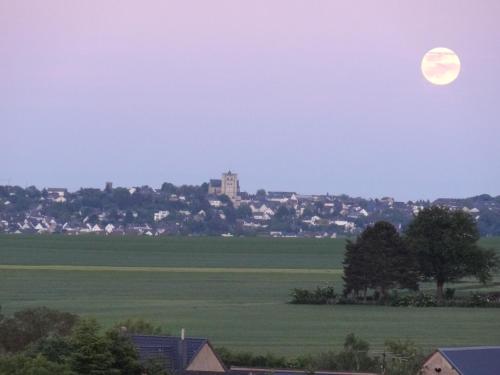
column 230, row 185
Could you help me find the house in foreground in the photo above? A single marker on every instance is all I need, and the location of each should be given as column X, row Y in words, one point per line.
column 480, row 360
column 179, row 355
column 196, row 356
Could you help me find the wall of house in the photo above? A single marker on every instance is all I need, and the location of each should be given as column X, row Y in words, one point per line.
column 437, row 361
column 206, row 360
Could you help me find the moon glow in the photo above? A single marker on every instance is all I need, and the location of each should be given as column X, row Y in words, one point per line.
column 440, row 66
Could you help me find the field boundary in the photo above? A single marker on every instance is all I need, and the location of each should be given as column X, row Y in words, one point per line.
column 57, row 267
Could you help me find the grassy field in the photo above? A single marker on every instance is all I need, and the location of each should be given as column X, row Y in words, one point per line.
column 233, row 291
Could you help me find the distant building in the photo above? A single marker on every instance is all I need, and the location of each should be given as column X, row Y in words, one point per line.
column 281, row 196
column 57, row 191
column 481, row 360
column 57, row 194
column 214, row 187
column 108, row 187
column 228, row 185
column 160, row 215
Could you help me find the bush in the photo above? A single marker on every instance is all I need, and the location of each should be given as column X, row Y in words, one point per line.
column 354, row 356
column 416, row 300
column 477, row 299
column 269, row 360
column 39, row 365
column 403, row 358
column 449, row 293
column 320, row 296
column 326, row 296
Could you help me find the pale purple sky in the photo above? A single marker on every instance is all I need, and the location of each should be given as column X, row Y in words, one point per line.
column 309, row 96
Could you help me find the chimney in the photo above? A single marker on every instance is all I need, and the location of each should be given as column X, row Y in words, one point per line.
column 183, row 351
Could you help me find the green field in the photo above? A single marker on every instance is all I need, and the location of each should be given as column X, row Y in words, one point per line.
column 232, row 290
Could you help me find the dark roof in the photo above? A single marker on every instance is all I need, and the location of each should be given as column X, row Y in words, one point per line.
column 169, row 349
column 481, row 360
column 216, row 183
column 280, row 194
column 62, row 190
column 249, row 370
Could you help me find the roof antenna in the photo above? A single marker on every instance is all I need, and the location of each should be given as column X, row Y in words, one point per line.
column 182, row 334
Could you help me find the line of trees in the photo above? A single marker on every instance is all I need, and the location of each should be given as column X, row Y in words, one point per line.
column 439, row 245
column 42, row 341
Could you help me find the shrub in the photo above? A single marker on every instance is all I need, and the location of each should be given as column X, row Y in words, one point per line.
column 269, row 360
column 477, row 299
column 449, row 293
column 416, row 300
column 320, row 296
column 22, row 364
column 403, row 358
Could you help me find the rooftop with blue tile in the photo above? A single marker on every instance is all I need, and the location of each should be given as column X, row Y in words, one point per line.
column 175, row 351
column 481, row 360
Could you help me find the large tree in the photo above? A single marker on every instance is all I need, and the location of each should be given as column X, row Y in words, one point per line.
column 91, row 354
column 445, row 242
column 379, row 259
column 30, row 325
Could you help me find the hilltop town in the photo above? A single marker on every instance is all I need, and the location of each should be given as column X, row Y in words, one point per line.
column 214, row 208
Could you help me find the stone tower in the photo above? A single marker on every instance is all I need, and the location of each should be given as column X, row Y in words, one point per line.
column 230, row 185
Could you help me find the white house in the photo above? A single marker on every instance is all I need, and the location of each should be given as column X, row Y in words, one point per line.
column 160, row 215
column 109, row 228
column 215, row 203
column 96, row 228
column 348, row 226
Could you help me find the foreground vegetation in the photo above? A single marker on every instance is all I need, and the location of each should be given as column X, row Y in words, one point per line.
column 42, row 341
column 211, row 287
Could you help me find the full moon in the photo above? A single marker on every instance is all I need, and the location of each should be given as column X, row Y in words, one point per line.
column 440, row 66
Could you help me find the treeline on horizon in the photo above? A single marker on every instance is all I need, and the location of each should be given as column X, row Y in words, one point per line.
column 42, row 341
column 121, row 206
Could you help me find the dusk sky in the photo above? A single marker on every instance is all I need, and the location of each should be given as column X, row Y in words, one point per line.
column 306, row 96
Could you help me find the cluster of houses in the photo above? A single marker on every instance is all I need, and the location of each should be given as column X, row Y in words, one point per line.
column 217, row 208
column 196, row 356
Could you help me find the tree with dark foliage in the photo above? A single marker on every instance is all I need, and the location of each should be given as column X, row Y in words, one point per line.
column 30, row 325
column 123, row 352
column 91, row 354
column 446, row 245
column 379, row 260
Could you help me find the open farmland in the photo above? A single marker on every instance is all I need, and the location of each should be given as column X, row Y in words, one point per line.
column 232, row 290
